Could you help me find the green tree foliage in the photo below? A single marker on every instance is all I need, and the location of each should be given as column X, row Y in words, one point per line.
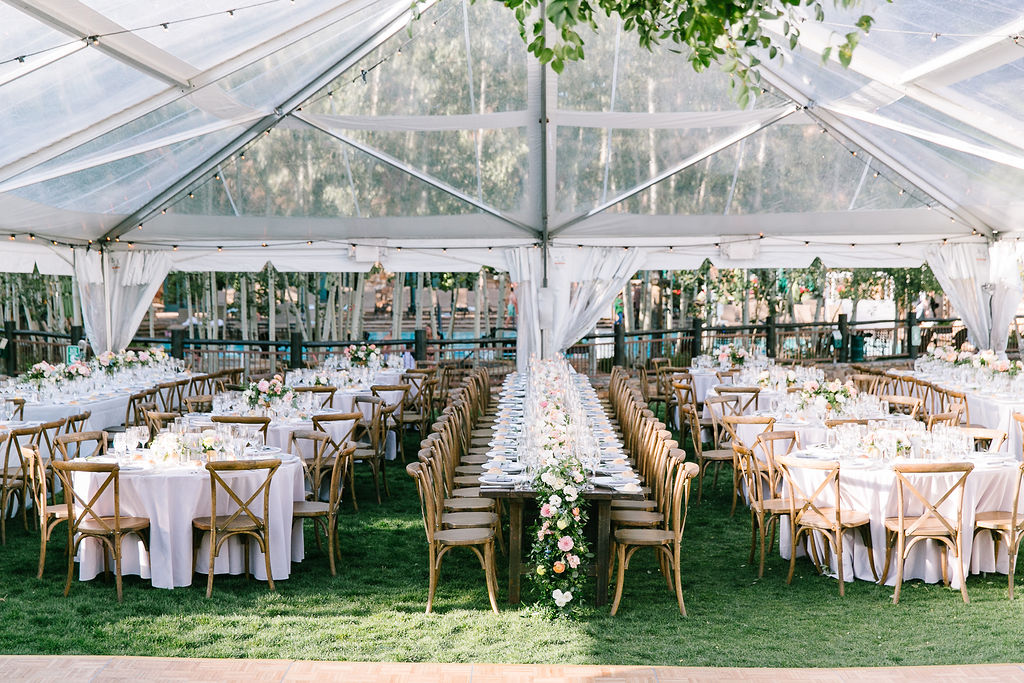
column 723, row 32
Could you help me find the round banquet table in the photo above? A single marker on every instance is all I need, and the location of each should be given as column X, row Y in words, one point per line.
column 871, row 488
column 107, row 408
column 993, row 410
column 171, row 498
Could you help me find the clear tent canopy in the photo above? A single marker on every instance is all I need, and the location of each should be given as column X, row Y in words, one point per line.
column 327, row 136
column 212, row 124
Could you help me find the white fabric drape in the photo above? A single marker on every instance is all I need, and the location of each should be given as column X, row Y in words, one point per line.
column 983, row 284
column 582, row 283
column 116, row 290
column 599, row 273
column 1007, row 291
column 524, row 271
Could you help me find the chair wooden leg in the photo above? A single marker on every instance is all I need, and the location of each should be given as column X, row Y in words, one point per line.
column 960, row 568
column 266, row 560
column 900, row 542
column 865, row 532
column 332, row 542
column 209, row 574
column 1013, row 547
column 678, row 578
column 839, row 562
column 117, row 565
column 490, row 575
column 352, row 485
column 433, row 579
column 794, row 541
column 71, row 561
column 762, row 533
column 753, row 535
column 621, row 559
column 735, row 489
column 42, row 549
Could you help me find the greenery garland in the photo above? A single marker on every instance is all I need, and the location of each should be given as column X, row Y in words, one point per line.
column 560, row 553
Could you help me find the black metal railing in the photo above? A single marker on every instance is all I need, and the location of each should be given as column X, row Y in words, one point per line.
column 596, row 353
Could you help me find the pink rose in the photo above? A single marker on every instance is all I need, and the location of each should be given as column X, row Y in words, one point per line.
column 573, row 560
column 546, row 510
column 565, row 544
column 263, row 386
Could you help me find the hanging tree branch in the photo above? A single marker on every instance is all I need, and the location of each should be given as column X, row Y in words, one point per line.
column 723, row 31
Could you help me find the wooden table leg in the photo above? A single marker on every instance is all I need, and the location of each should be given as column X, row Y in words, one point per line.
column 604, row 532
column 515, row 548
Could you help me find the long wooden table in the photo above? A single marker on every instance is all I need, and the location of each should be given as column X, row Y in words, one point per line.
column 602, row 505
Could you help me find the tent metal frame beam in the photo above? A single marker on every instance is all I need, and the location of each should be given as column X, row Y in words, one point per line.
column 419, row 175
column 389, row 23
column 827, row 118
column 883, row 73
column 81, row 21
column 686, row 163
column 205, row 79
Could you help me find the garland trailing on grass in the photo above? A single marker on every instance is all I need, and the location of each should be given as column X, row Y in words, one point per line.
column 560, row 552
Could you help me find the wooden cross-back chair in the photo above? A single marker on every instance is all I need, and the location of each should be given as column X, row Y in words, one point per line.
column 244, row 521
column 323, row 394
column 14, row 485
column 667, row 538
column 748, row 396
column 325, row 515
column 820, row 510
column 1006, row 526
column 340, row 435
column 253, row 420
column 17, row 407
column 49, row 516
column 907, row 405
column 906, row 531
column 480, row 540
column 85, row 523
column 730, row 422
column 77, row 423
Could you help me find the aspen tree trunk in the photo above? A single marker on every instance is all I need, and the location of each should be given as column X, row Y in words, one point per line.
column 645, row 301
column 188, row 304
column 272, row 314
column 243, row 305
column 746, row 296
column 397, row 304
column 451, row 320
column 417, row 300
column 213, row 306
column 478, row 291
column 357, row 307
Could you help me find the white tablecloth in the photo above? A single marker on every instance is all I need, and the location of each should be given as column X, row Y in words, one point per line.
column 873, row 490
column 107, row 410
column 171, row 499
column 991, row 410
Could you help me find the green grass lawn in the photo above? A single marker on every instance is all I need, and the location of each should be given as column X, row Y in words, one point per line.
column 373, row 609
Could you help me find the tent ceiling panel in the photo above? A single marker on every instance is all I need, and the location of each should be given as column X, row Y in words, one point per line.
column 23, row 217
column 432, row 76
column 70, row 95
column 120, row 186
column 224, row 35
column 500, row 180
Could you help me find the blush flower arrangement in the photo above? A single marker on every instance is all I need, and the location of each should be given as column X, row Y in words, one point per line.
column 266, row 392
column 560, row 553
column 362, row 355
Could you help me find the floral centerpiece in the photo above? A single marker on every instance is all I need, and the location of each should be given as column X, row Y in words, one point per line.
column 42, row 372
column 732, row 354
column 266, row 393
column 362, row 355
column 827, row 395
column 77, row 370
column 166, row 447
column 887, row 442
column 211, row 441
column 776, row 377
